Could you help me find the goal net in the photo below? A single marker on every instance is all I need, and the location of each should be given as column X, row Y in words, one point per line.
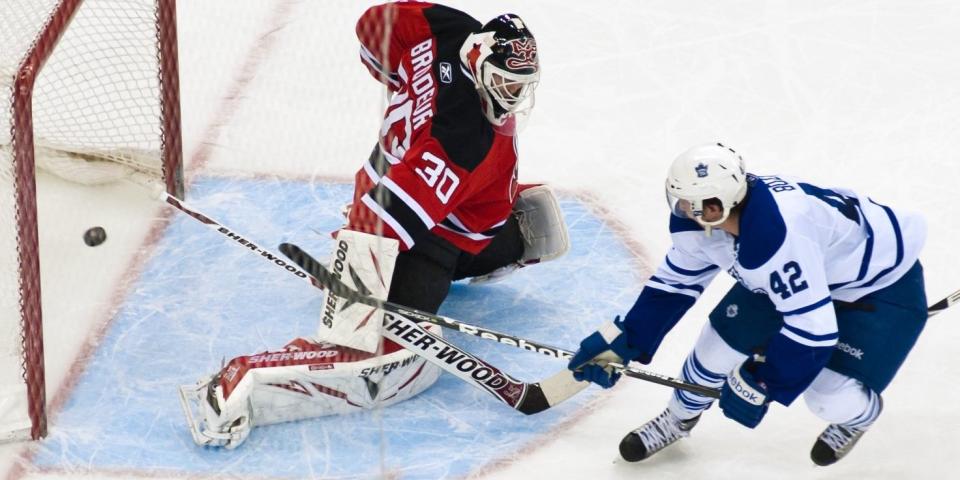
column 89, row 93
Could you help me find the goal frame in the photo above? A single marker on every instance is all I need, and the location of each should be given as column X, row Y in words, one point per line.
column 24, row 167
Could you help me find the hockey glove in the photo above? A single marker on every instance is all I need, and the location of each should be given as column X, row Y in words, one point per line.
column 744, row 397
column 608, row 344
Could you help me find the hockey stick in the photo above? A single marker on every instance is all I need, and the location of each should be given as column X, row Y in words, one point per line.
column 528, row 398
column 553, row 384
column 944, row 304
column 332, row 283
column 236, row 237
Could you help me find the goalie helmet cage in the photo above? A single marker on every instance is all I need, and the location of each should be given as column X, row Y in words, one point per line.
column 94, row 83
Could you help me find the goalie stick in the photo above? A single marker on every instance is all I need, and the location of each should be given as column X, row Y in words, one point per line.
column 559, row 385
column 332, row 283
column 528, row 398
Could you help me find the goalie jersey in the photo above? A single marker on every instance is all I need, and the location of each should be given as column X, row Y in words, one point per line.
column 802, row 246
column 440, row 167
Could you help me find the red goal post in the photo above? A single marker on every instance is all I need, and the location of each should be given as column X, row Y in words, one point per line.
column 89, row 91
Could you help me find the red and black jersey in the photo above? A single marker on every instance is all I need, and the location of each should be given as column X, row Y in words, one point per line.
column 444, row 169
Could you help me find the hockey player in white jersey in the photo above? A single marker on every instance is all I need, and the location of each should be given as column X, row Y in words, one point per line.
column 829, row 301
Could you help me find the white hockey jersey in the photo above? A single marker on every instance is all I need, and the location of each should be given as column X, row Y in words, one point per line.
column 801, row 245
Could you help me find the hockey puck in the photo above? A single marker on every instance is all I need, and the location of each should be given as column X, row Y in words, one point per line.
column 94, row 236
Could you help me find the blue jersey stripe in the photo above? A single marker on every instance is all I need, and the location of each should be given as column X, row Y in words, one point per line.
column 689, row 273
column 695, row 288
column 899, row 235
column 808, row 308
column 810, row 336
column 867, row 254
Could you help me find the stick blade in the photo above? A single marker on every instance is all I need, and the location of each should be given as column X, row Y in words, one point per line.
column 547, row 393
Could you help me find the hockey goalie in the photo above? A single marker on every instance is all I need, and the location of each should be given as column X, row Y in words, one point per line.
column 437, row 201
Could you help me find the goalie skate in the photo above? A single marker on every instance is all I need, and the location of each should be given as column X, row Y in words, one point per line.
column 216, row 428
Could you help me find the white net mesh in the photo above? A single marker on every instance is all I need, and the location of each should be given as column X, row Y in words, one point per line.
column 105, row 69
column 96, row 116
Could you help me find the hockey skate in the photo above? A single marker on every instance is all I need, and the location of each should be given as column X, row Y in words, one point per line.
column 218, row 426
column 836, row 441
column 655, row 435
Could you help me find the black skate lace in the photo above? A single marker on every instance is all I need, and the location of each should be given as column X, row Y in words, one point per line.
column 660, row 432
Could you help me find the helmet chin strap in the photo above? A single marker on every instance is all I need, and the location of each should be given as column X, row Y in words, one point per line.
column 708, row 226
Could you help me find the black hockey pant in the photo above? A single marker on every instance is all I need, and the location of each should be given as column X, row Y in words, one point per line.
column 423, row 274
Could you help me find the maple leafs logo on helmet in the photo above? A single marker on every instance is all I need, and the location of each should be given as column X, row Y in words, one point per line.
column 689, row 184
column 701, row 170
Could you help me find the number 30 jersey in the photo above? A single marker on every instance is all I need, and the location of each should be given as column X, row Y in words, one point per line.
column 439, row 166
column 802, row 246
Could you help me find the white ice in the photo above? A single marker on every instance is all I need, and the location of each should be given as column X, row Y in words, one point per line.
column 863, row 94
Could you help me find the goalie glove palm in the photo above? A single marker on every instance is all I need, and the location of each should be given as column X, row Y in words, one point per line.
column 607, row 344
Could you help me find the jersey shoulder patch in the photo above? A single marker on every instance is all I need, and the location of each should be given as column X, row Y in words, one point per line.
column 762, row 229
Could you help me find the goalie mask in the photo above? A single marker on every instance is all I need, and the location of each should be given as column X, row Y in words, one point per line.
column 502, row 58
column 704, row 172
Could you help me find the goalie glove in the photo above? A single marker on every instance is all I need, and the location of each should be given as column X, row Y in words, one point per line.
column 542, row 226
column 607, row 344
column 542, row 229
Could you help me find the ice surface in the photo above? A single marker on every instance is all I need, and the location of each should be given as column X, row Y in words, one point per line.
column 863, row 94
column 202, row 297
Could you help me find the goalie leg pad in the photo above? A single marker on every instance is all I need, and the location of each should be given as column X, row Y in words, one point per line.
column 306, row 379
column 365, row 263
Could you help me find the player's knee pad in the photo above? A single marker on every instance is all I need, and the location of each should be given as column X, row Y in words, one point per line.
column 304, row 380
column 712, row 354
column 542, row 226
column 835, row 397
